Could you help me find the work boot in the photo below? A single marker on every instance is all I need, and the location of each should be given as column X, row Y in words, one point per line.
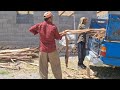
column 82, row 66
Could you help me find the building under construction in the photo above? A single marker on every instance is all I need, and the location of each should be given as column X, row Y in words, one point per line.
column 14, row 25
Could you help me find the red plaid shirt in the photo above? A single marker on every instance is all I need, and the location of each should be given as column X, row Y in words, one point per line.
column 48, row 33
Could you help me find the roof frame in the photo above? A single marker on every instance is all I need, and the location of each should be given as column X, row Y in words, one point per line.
column 63, row 12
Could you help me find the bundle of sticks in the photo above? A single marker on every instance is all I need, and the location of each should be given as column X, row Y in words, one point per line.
column 99, row 34
column 18, row 54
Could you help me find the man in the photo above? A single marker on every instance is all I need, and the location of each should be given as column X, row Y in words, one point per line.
column 81, row 42
column 48, row 33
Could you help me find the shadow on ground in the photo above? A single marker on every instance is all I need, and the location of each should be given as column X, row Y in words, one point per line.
column 106, row 72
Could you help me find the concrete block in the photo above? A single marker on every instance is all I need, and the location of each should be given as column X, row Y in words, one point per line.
column 8, row 12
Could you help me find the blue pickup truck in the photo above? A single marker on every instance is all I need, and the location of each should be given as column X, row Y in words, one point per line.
column 107, row 50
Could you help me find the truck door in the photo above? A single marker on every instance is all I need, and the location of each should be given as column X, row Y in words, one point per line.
column 112, row 40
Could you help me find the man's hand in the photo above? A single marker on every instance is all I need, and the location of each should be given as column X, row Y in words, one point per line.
column 63, row 33
column 67, row 31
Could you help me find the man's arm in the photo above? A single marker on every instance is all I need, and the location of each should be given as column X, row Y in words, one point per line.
column 34, row 29
column 63, row 33
column 57, row 35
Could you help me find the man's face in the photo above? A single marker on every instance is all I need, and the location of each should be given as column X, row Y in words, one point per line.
column 51, row 19
column 85, row 21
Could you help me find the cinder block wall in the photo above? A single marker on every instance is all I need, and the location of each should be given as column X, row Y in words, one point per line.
column 66, row 22
column 14, row 35
column 88, row 14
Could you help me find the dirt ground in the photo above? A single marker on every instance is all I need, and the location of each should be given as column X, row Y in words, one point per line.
column 29, row 70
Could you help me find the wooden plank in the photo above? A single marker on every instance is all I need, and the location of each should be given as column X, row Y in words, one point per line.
column 67, row 53
column 61, row 13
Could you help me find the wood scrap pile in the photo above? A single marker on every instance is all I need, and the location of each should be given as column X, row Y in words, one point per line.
column 25, row 54
column 98, row 34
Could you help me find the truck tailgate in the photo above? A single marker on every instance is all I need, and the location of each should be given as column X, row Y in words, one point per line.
column 113, row 50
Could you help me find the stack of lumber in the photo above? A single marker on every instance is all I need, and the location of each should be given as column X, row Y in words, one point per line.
column 98, row 34
column 18, row 54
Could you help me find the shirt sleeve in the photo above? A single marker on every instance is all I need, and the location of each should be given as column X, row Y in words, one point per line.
column 56, row 34
column 34, row 29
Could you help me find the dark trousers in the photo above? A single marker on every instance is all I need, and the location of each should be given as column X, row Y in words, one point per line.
column 81, row 52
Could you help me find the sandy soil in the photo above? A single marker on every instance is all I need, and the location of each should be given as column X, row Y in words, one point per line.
column 27, row 71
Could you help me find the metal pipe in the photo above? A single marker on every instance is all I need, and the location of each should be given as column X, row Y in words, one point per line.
column 74, row 21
